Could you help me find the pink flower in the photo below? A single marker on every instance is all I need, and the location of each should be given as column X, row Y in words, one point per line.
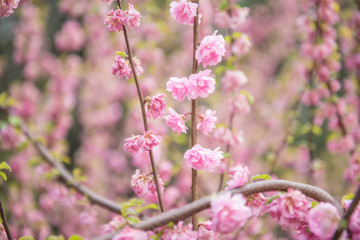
column 9, row 138
column 115, row 223
column 131, row 234
column 203, row 158
column 176, row 122
column 222, row 19
column 122, row 67
column 149, row 140
column 256, row 203
column 211, row 50
column 132, row 144
column 155, row 106
column 323, row 220
column 108, row 1
column 115, row 20
column 179, row 232
column 144, row 185
column 7, row 7
column 240, row 105
column 201, row 84
column 241, row 45
column 183, row 11
column 132, row 17
column 207, row 122
column 238, row 17
column 229, row 212
column 205, row 231
column 239, row 175
column 233, row 80
column 70, row 38
column 290, row 210
column 178, row 87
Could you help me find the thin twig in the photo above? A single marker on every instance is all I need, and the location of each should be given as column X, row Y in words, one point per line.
column 68, row 178
column 247, row 190
column 194, row 175
column 4, row 222
column 347, row 216
column 146, row 127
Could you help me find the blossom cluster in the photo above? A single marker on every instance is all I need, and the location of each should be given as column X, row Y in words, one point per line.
column 122, row 67
column 144, row 185
column 115, row 20
column 144, row 142
column 201, row 158
column 7, row 7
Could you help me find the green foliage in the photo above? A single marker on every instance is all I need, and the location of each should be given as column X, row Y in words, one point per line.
column 26, row 238
column 248, row 95
column 223, row 5
column 53, row 237
column 75, row 237
column 122, row 54
column 260, row 177
column 4, row 166
column 132, row 208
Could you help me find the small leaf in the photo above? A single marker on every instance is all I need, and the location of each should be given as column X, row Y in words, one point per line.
column 271, row 199
column 3, row 175
column 349, row 196
column 122, row 54
column 150, row 206
column 223, row 5
column 132, row 219
column 314, row 203
column 236, row 35
column 6, row 166
column 262, row 177
column 15, row 121
column 53, row 237
column 75, row 237
column 317, row 130
column 26, row 238
column 249, row 96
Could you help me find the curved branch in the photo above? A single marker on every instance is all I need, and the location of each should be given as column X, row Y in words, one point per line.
column 247, row 190
column 68, row 177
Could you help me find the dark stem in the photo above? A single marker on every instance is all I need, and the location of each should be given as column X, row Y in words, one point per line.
column 249, row 189
column 194, row 175
column 347, row 215
column 146, row 127
column 3, row 217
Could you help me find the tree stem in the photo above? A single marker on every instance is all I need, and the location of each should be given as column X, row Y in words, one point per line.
column 142, row 104
column 4, row 222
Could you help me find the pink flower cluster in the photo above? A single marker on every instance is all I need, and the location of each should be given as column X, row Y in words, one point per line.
column 183, row 11
column 176, row 122
column 203, row 158
column 7, row 7
column 144, row 142
column 180, row 232
column 238, row 17
column 207, row 122
column 144, row 185
column 240, row 105
column 131, row 233
column 229, row 212
column 198, row 85
column 211, row 50
column 233, row 80
column 238, row 175
column 116, row 223
column 115, row 20
column 155, row 106
column 290, row 210
column 122, row 68
column 70, row 38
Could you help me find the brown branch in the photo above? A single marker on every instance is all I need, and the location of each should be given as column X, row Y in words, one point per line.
column 3, row 217
column 142, row 104
column 247, row 190
column 68, row 178
column 194, row 175
column 347, row 215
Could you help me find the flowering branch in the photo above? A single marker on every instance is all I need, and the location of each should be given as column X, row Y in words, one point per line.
column 247, row 190
column 142, row 104
column 347, row 216
column 2, row 214
column 194, row 180
column 68, row 177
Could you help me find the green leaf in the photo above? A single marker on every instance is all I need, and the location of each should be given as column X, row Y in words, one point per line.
column 75, row 237
column 6, row 166
column 122, row 54
column 15, row 121
column 3, row 175
column 249, row 96
column 262, row 177
column 53, row 237
column 26, row 238
column 271, row 199
column 223, row 5
column 317, row 130
column 150, row 206
column 314, row 203
column 132, row 219
column 348, row 196
column 236, row 35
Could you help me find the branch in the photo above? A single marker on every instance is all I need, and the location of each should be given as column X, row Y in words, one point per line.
column 247, row 190
column 4, row 222
column 347, row 215
column 68, row 177
column 142, row 105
